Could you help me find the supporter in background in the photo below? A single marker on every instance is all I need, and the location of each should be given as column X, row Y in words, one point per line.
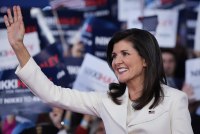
column 194, row 107
column 56, row 116
column 85, row 125
column 172, row 60
column 8, row 124
column 43, row 126
column 25, row 121
column 77, row 49
column 194, row 104
column 97, row 127
column 170, row 64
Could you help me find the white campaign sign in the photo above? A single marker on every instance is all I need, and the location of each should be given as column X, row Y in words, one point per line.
column 197, row 33
column 7, row 55
column 94, row 75
column 193, row 75
column 166, row 31
column 129, row 8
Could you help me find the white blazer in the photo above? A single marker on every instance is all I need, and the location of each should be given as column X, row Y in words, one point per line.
column 169, row 117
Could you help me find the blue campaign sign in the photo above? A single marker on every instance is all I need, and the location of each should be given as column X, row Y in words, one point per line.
column 101, row 38
column 50, row 56
column 96, row 34
column 16, row 98
column 67, row 20
column 73, row 64
column 59, row 75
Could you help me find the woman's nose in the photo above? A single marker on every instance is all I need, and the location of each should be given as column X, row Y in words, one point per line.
column 118, row 60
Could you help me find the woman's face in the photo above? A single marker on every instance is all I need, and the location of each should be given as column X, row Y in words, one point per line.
column 127, row 64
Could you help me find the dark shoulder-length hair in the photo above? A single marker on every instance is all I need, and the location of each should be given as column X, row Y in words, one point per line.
column 147, row 46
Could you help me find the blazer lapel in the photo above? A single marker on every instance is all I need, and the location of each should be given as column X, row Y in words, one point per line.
column 118, row 112
column 146, row 114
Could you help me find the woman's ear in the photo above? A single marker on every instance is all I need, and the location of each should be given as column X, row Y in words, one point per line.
column 144, row 63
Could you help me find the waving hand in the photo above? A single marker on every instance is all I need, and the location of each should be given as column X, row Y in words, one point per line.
column 16, row 30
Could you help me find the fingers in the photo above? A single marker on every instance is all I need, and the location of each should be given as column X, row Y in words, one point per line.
column 17, row 15
column 10, row 18
column 6, row 21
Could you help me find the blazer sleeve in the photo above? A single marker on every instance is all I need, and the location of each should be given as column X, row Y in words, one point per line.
column 41, row 86
column 181, row 120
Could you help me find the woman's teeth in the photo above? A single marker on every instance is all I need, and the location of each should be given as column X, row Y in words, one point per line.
column 121, row 70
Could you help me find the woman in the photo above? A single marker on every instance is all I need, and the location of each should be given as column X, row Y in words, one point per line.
column 140, row 104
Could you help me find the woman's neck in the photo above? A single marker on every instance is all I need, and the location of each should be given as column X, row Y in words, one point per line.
column 135, row 88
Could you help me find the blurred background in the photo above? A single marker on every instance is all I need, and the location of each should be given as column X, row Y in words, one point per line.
column 59, row 35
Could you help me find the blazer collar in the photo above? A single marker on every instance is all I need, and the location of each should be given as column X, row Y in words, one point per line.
column 119, row 112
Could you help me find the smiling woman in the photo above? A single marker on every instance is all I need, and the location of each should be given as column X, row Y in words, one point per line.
column 136, row 53
column 134, row 56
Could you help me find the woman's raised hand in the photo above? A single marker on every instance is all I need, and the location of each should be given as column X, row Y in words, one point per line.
column 16, row 30
column 15, row 27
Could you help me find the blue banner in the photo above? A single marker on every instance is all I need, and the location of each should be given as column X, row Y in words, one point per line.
column 16, row 98
column 96, row 34
column 73, row 65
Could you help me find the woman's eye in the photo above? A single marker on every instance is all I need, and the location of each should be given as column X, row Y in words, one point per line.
column 125, row 53
column 113, row 56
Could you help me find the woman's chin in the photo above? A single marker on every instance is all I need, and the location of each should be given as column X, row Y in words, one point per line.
column 122, row 80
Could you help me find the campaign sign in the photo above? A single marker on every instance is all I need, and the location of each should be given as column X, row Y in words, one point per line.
column 166, row 30
column 193, row 76
column 97, row 8
column 129, row 8
column 50, row 56
column 7, row 56
column 94, row 36
column 94, row 75
column 31, row 40
column 101, row 38
column 16, row 98
column 197, row 33
column 72, row 65
column 65, row 24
